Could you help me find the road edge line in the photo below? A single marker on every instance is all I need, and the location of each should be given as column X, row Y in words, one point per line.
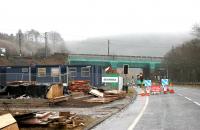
column 188, row 98
column 196, row 103
column 113, row 113
column 132, row 126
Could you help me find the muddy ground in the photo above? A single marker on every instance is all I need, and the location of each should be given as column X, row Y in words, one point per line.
column 74, row 102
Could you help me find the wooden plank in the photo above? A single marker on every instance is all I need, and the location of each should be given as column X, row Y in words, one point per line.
column 58, row 99
column 7, row 121
column 56, row 90
column 100, row 100
column 96, row 93
column 12, row 127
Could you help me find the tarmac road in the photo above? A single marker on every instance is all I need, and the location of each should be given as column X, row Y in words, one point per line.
column 179, row 111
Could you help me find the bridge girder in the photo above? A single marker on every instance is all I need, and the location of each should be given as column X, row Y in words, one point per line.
column 117, row 64
column 148, row 64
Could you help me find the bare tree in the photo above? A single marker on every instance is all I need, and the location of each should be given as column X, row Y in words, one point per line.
column 196, row 30
column 183, row 62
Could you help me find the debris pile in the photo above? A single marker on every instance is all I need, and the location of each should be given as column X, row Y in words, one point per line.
column 19, row 83
column 106, row 96
column 80, row 86
column 115, row 93
column 50, row 119
column 24, row 96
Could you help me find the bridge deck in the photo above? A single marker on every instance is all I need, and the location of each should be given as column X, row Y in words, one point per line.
column 118, row 58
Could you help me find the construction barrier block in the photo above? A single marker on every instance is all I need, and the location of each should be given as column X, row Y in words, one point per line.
column 147, row 94
column 172, row 91
column 165, row 92
column 142, row 94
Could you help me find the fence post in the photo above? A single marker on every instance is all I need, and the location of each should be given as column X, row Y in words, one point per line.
column 29, row 74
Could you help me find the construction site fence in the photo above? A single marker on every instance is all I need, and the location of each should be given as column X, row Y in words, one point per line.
column 6, row 78
column 94, row 78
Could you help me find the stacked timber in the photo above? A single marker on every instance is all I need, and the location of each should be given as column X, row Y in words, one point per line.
column 115, row 93
column 80, row 86
column 106, row 96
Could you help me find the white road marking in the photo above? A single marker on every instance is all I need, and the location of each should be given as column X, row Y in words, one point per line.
column 193, row 101
column 197, row 103
column 132, row 126
column 180, row 94
column 188, row 98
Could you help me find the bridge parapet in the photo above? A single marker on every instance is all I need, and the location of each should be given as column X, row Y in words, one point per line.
column 114, row 57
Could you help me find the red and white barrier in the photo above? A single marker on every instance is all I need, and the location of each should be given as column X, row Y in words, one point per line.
column 156, row 89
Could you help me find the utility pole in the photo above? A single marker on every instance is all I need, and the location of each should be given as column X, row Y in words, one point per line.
column 20, row 42
column 45, row 36
column 53, row 43
column 108, row 47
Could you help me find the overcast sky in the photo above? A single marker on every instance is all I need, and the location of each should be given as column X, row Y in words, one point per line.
column 79, row 19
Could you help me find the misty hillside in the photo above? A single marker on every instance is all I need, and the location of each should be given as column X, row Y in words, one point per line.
column 135, row 44
column 32, row 43
column 11, row 46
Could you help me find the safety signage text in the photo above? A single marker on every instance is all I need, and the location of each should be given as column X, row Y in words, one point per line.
column 109, row 79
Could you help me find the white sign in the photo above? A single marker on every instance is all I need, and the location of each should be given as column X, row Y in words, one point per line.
column 164, row 82
column 147, row 83
column 110, row 79
column 55, row 72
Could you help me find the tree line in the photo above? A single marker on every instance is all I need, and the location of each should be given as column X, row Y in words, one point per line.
column 183, row 62
column 33, row 42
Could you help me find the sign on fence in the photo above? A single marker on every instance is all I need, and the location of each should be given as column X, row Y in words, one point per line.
column 41, row 72
column 164, row 82
column 147, row 83
column 55, row 72
column 110, row 79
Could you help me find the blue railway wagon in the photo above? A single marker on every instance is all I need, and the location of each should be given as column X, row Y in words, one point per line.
column 86, row 72
column 48, row 74
column 17, row 73
column 2, row 76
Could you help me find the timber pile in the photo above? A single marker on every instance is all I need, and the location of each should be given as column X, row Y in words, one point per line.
column 115, row 93
column 53, row 119
column 100, row 100
column 80, row 86
column 108, row 96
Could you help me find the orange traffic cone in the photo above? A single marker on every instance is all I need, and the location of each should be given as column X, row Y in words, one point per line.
column 142, row 93
column 165, row 90
column 172, row 89
column 147, row 92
